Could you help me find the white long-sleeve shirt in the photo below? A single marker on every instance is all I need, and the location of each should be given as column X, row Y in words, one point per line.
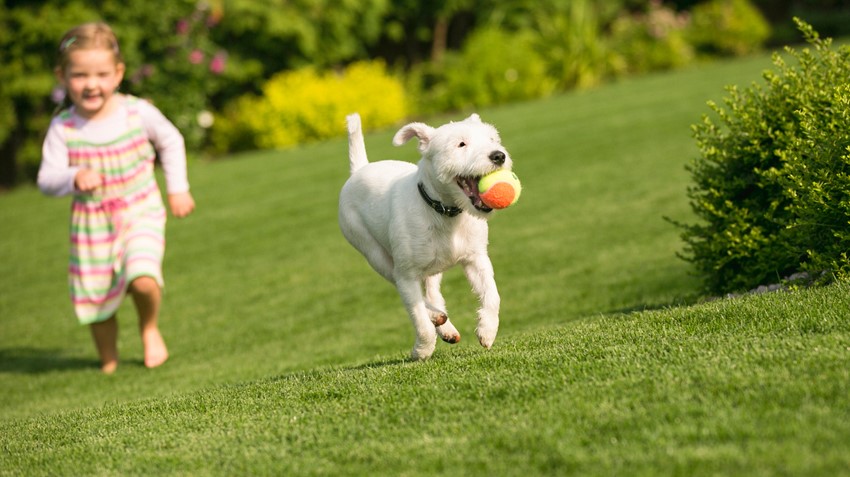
column 56, row 176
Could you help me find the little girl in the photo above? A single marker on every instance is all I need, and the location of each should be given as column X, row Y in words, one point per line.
column 100, row 150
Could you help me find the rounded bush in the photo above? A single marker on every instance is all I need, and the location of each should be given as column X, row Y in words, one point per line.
column 307, row 105
column 729, row 27
column 771, row 183
column 651, row 41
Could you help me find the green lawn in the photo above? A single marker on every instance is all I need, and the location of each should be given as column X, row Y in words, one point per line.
column 288, row 352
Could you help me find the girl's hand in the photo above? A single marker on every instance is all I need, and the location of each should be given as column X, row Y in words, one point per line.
column 181, row 204
column 87, row 180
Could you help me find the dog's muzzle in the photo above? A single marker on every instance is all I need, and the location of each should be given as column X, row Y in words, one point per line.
column 469, row 185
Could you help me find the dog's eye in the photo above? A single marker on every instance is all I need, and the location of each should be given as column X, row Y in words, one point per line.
column 462, row 144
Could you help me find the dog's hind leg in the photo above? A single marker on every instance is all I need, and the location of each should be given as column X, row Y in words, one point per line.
column 434, row 299
column 358, row 236
column 437, row 304
column 448, row 332
column 410, row 290
column 380, row 261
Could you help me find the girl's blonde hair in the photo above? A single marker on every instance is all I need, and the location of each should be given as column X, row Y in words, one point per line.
column 94, row 35
column 88, row 36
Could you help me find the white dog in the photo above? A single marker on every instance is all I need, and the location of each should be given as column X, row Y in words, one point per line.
column 414, row 222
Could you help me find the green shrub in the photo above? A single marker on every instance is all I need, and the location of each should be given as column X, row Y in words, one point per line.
column 571, row 40
column 174, row 62
column 307, row 105
column 728, row 27
column 28, row 40
column 655, row 40
column 816, row 177
column 494, row 67
column 771, row 183
column 156, row 51
column 189, row 57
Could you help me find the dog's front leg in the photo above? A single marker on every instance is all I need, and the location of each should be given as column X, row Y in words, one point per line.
column 479, row 272
column 410, row 290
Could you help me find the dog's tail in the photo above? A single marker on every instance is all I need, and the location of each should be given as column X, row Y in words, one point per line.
column 356, row 145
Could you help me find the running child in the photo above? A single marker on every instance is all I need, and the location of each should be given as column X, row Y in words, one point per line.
column 100, row 150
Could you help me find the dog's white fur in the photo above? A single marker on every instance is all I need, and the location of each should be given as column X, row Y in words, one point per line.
column 383, row 215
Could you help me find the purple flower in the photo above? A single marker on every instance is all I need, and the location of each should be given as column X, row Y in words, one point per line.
column 58, row 94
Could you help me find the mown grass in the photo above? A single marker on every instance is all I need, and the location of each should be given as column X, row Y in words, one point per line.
column 754, row 386
column 288, row 351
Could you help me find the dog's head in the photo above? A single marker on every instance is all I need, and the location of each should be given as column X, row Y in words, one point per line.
column 455, row 156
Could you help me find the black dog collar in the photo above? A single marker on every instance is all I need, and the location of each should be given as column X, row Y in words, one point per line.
column 437, row 205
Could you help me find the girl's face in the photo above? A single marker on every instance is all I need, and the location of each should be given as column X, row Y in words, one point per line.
column 91, row 77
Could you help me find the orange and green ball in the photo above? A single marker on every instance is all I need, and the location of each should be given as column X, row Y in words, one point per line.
column 499, row 189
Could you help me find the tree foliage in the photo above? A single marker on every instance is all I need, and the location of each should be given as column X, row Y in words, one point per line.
column 193, row 57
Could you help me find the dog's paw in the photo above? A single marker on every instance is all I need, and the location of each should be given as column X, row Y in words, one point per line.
column 486, row 335
column 451, row 339
column 424, row 347
column 439, row 318
column 420, row 355
column 448, row 333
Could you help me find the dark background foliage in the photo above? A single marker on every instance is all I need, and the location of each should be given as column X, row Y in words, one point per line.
column 191, row 57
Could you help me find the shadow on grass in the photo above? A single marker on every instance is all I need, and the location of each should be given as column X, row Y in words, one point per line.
column 36, row 361
column 679, row 300
column 380, row 363
column 628, row 310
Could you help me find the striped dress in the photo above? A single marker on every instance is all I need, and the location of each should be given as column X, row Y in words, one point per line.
column 118, row 231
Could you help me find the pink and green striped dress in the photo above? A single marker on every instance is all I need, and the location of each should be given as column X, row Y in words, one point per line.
column 117, row 232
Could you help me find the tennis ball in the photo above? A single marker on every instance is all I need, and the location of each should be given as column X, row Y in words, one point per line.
column 499, row 189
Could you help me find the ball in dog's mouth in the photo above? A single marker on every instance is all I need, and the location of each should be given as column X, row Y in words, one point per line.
column 469, row 185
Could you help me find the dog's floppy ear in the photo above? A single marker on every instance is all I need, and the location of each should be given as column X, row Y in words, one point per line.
column 421, row 131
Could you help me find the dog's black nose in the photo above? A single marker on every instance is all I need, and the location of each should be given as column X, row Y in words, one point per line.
column 497, row 157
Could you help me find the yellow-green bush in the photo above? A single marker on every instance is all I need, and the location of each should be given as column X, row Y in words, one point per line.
column 651, row 40
column 728, row 27
column 308, row 105
column 494, row 67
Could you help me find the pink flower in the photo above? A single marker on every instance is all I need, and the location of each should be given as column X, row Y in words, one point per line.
column 147, row 70
column 196, row 57
column 182, row 27
column 218, row 62
column 214, row 17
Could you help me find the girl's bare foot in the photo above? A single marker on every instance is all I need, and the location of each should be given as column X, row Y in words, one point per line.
column 109, row 367
column 147, row 295
column 156, row 352
column 105, row 334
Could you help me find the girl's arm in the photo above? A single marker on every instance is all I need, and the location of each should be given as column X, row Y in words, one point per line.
column 169, row 146
column 55, row 176
column 171, row 149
